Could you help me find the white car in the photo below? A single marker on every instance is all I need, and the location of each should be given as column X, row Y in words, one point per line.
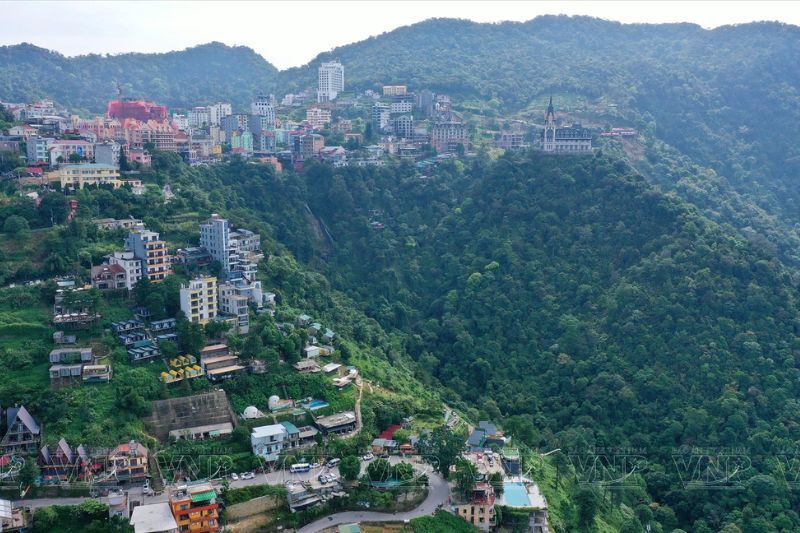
column 332, row 477
column 368, row 456
column 248, row 475
column 235, row 476
column 315, row 465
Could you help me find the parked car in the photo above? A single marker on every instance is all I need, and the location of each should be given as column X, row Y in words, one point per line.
column 323, row 478
column 248, row 475
column 333, row 462
column 235, row 476
column 368, row 456
column 315, row 465
column 385, row 455
column 332, row 477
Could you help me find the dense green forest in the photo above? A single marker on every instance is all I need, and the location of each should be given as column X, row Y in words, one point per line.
column 572, row 300
column 195, row 76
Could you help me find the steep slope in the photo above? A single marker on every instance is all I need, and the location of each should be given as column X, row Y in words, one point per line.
column 584, row 306
column 202, row 74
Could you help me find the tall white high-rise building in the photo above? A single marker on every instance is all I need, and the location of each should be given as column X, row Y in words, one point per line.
column 331, row 81
column 264, row 105
column 236, row 250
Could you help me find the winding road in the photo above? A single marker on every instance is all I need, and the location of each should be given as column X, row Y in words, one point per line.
column 438, row 494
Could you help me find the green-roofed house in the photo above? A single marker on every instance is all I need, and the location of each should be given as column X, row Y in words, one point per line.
column 299, row 437
column 195, row 507
column 349, row 528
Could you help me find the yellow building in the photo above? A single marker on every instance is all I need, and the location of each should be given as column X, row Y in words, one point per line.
column 76, row 176
column 199, row 299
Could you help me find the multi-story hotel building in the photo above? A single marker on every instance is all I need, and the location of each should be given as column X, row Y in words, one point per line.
column 147, row 246
column 199, row 299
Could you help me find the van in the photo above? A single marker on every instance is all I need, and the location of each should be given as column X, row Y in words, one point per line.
column 300, row 467
column 333, row 462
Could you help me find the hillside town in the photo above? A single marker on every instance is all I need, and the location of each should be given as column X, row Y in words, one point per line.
column 328, row 124
column 288, row 437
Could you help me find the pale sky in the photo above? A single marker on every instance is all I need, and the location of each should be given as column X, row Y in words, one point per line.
column 290, row 34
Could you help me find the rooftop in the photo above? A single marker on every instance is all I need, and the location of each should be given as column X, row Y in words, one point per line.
column 153, row 518
column 338, row 419
column 267, row 431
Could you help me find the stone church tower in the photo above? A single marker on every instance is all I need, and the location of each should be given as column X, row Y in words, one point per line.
column 549, row 137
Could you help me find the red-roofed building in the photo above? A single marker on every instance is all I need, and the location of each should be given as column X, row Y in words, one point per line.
column 128, row 462
column 138, row 109
column 107, row 277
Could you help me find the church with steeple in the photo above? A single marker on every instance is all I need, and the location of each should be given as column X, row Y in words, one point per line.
column 574, row 139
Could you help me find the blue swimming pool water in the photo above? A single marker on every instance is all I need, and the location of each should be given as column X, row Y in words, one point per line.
column 515, row 494
column 317, row 404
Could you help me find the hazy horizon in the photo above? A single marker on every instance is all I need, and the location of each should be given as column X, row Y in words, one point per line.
column 79, row 28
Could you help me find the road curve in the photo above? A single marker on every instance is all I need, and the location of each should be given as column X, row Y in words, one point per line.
column 438, row 493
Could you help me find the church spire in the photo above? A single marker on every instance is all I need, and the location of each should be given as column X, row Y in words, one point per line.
column 550, row 116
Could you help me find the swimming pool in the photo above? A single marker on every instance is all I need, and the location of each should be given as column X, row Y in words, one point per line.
column 317, row 404
column 515, row 495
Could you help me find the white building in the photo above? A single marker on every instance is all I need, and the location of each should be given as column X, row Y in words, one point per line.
column 153, row 518
column 180, row 121
column 264, row 105
column 236, row 250
column 217, row 112
column 233, row 302
column 401, row 107
column 198, row 117
column 267, row 441
column 131, row 264
column 331, row 81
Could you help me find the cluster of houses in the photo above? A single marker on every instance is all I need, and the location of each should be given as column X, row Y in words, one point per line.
column 74, row 152
column 144, row 255
column 73, row 365
column 141, row 338
column 124, row 464
column 229, row 299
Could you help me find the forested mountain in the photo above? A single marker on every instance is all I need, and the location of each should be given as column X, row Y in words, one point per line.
column 641, row 298
column 570, row 299
column 726, row 100
column 195, row 76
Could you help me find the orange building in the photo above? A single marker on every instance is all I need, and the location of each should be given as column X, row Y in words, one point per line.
column 195, row 508
column 152, row 250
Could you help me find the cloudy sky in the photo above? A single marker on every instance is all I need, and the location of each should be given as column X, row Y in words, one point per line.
column 291, row 33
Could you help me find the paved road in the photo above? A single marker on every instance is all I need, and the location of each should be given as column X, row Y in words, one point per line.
column 133, row 494
column 438, row 494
